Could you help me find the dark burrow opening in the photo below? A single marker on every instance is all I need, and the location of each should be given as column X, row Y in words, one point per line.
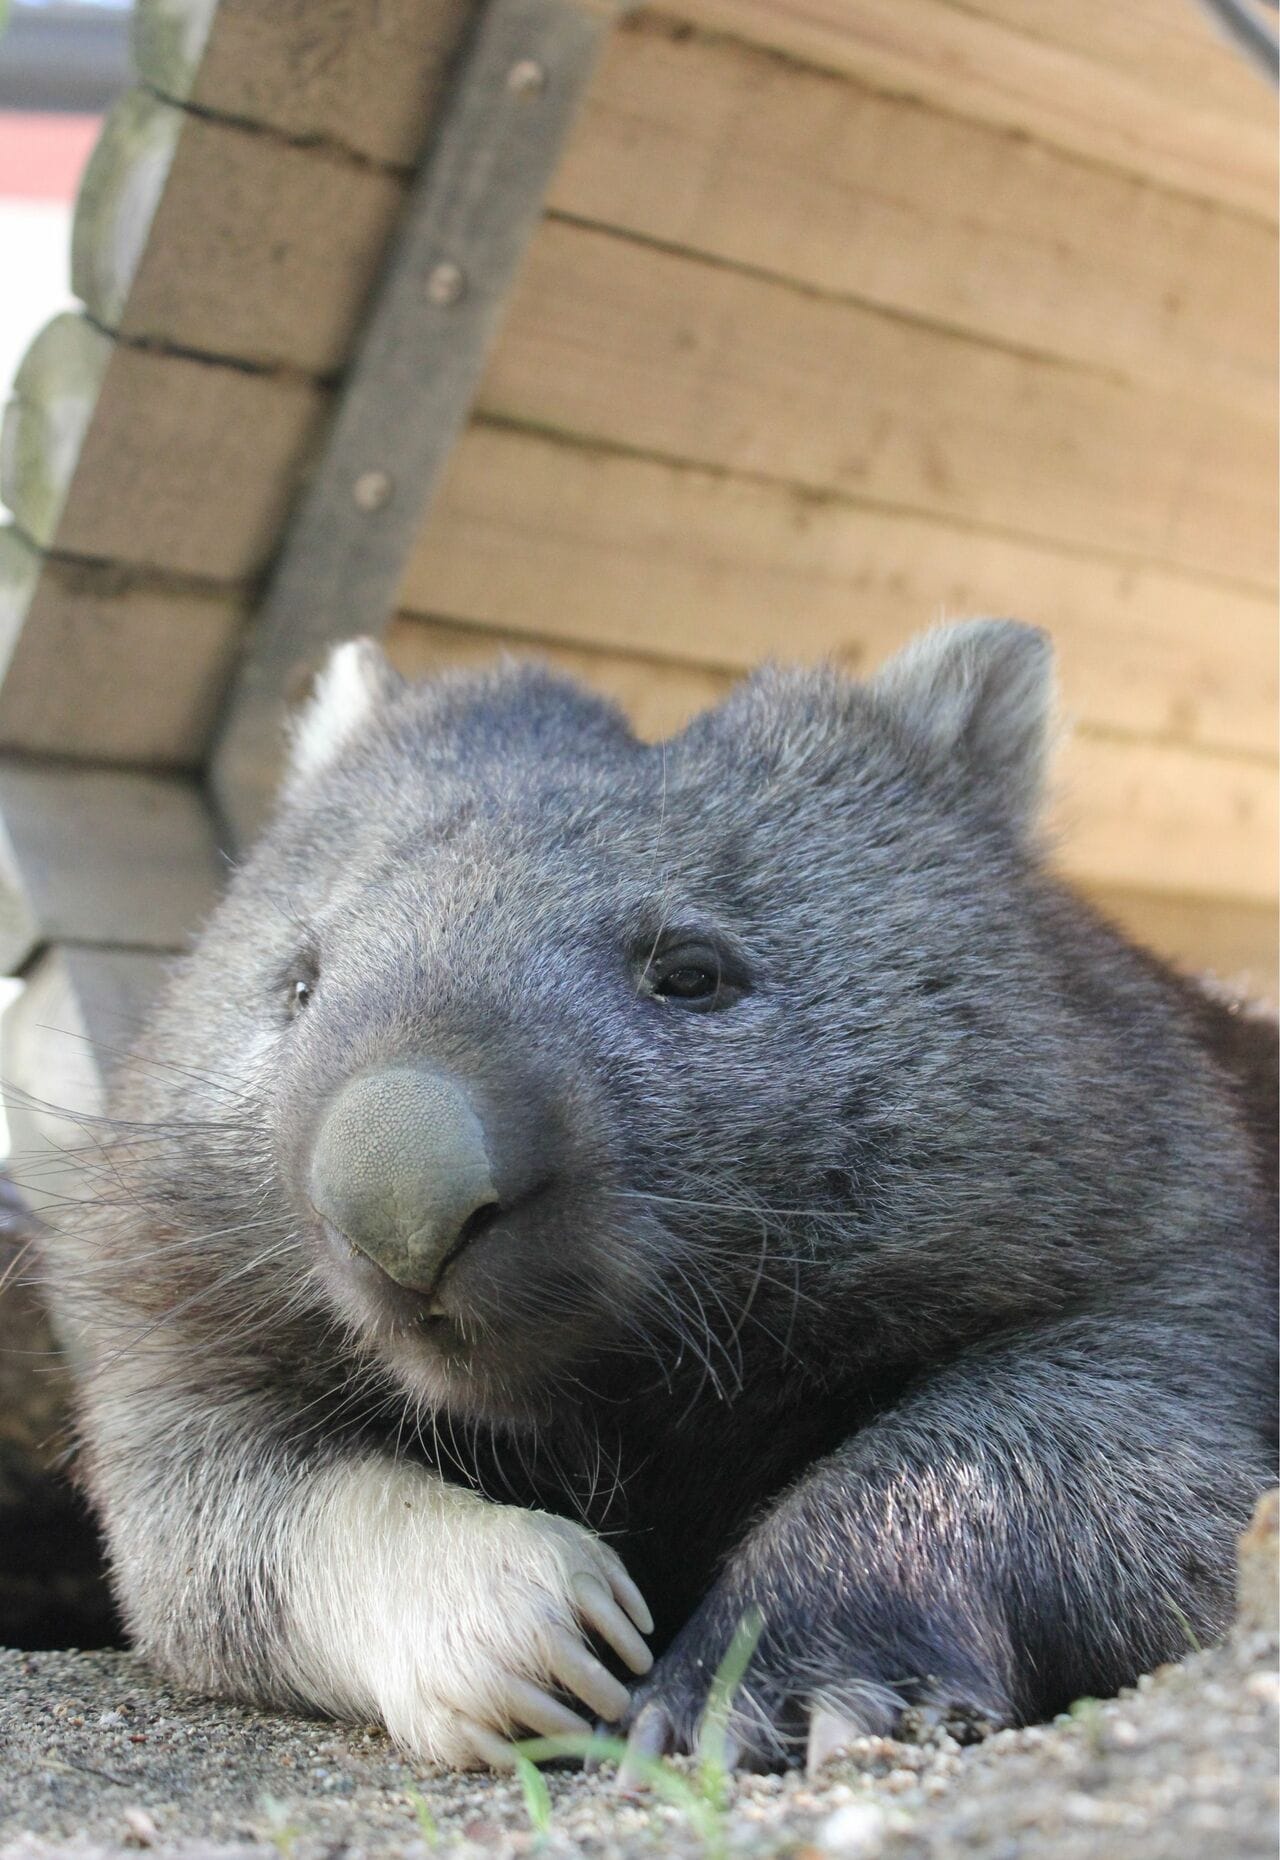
column 53, row 1584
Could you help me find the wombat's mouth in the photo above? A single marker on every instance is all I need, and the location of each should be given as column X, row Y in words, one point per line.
column 498, row 1322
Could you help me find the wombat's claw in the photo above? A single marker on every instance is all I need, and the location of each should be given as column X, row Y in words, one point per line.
column 530, row 1711
column 603, row 1615
column 584, row 1677
column 652, row 1736
column 830, row 1735
column 624, row 1589
column 538, row 1710
column 489, row 1749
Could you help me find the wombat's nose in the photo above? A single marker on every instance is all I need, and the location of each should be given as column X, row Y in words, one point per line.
column 400, row 1168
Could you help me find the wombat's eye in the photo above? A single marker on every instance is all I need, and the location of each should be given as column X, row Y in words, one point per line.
column 688, row 984
column 299, row 984
column 693, row 976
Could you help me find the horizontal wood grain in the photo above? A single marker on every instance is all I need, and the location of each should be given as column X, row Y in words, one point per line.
column 1224, row 937
column 724, row 148
column 1176, row 52
column 136, row 456
column 953, row 57
column 593, row 548
column 210, row 236
column 98, row 664
column 365, row 74
column 668, row 354
column 101, row 856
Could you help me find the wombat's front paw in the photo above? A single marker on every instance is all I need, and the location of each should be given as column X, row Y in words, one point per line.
column 518, row 1646
column 808, row 1693
column 460, row 1623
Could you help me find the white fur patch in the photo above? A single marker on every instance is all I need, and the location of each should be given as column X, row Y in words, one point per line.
column 345, row 698
column 368, row 1588
column 419, row 1604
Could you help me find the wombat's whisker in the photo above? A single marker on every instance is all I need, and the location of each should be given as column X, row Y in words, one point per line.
column 201, row 1296
column 101, row 1048
column 10, row 1274
column 182, row 1244
column 755, row 1210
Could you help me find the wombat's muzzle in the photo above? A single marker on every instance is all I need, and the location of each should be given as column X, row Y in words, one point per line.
column 400, row 1168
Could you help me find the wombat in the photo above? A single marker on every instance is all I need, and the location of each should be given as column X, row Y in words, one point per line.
column 728, row 1178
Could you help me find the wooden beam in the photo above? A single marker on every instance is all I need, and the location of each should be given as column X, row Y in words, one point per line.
column 82, row 1007
column 589, row 547
column 952, row 57
column 101, row 664
column 724, row 148
column 365, row 75
column 666, row 354
column 408, row 390
column 151, row 459
column 101, row 856
column 213, row 237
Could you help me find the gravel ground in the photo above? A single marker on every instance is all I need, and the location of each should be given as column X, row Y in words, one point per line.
column 98, row 1762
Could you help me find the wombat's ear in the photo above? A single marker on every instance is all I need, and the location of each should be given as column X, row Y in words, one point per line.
column 357, row 680
column 979, row 694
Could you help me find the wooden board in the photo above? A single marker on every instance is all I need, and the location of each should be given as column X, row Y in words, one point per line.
column 364, row 74
column 81, row 1009
column 723, row 148
column 564, row 542
column 101, row 856
column 98, row 664
column 213, row 237
column 1174, row 50
column 1125, row 813
column 952, row 57
column 1220, row 936
column 667, row 354
column 1156, row 817
column 160, row 460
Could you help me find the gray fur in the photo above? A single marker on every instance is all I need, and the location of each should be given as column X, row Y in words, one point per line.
column 916, row 1292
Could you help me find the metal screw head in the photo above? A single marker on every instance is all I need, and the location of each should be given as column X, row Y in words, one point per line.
column 445, row 282
column 372, row 490
column 526, row 77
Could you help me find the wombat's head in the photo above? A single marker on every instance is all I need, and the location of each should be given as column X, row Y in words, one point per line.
column 585, row 1059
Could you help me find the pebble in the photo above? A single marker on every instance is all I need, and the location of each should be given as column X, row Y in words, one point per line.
column 898, row 1781
column 142, row 1830
column 855, row 1832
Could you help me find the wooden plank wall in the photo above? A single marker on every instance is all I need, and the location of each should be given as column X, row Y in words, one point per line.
column 232, row 219
column 843, row 319
column 230, row 224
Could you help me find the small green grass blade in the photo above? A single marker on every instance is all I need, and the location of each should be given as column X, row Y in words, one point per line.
column 428, row 1826
column 713, row 1733
column 537, row 1797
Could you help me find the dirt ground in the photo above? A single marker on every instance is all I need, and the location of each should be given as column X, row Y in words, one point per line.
column 96, row 1760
